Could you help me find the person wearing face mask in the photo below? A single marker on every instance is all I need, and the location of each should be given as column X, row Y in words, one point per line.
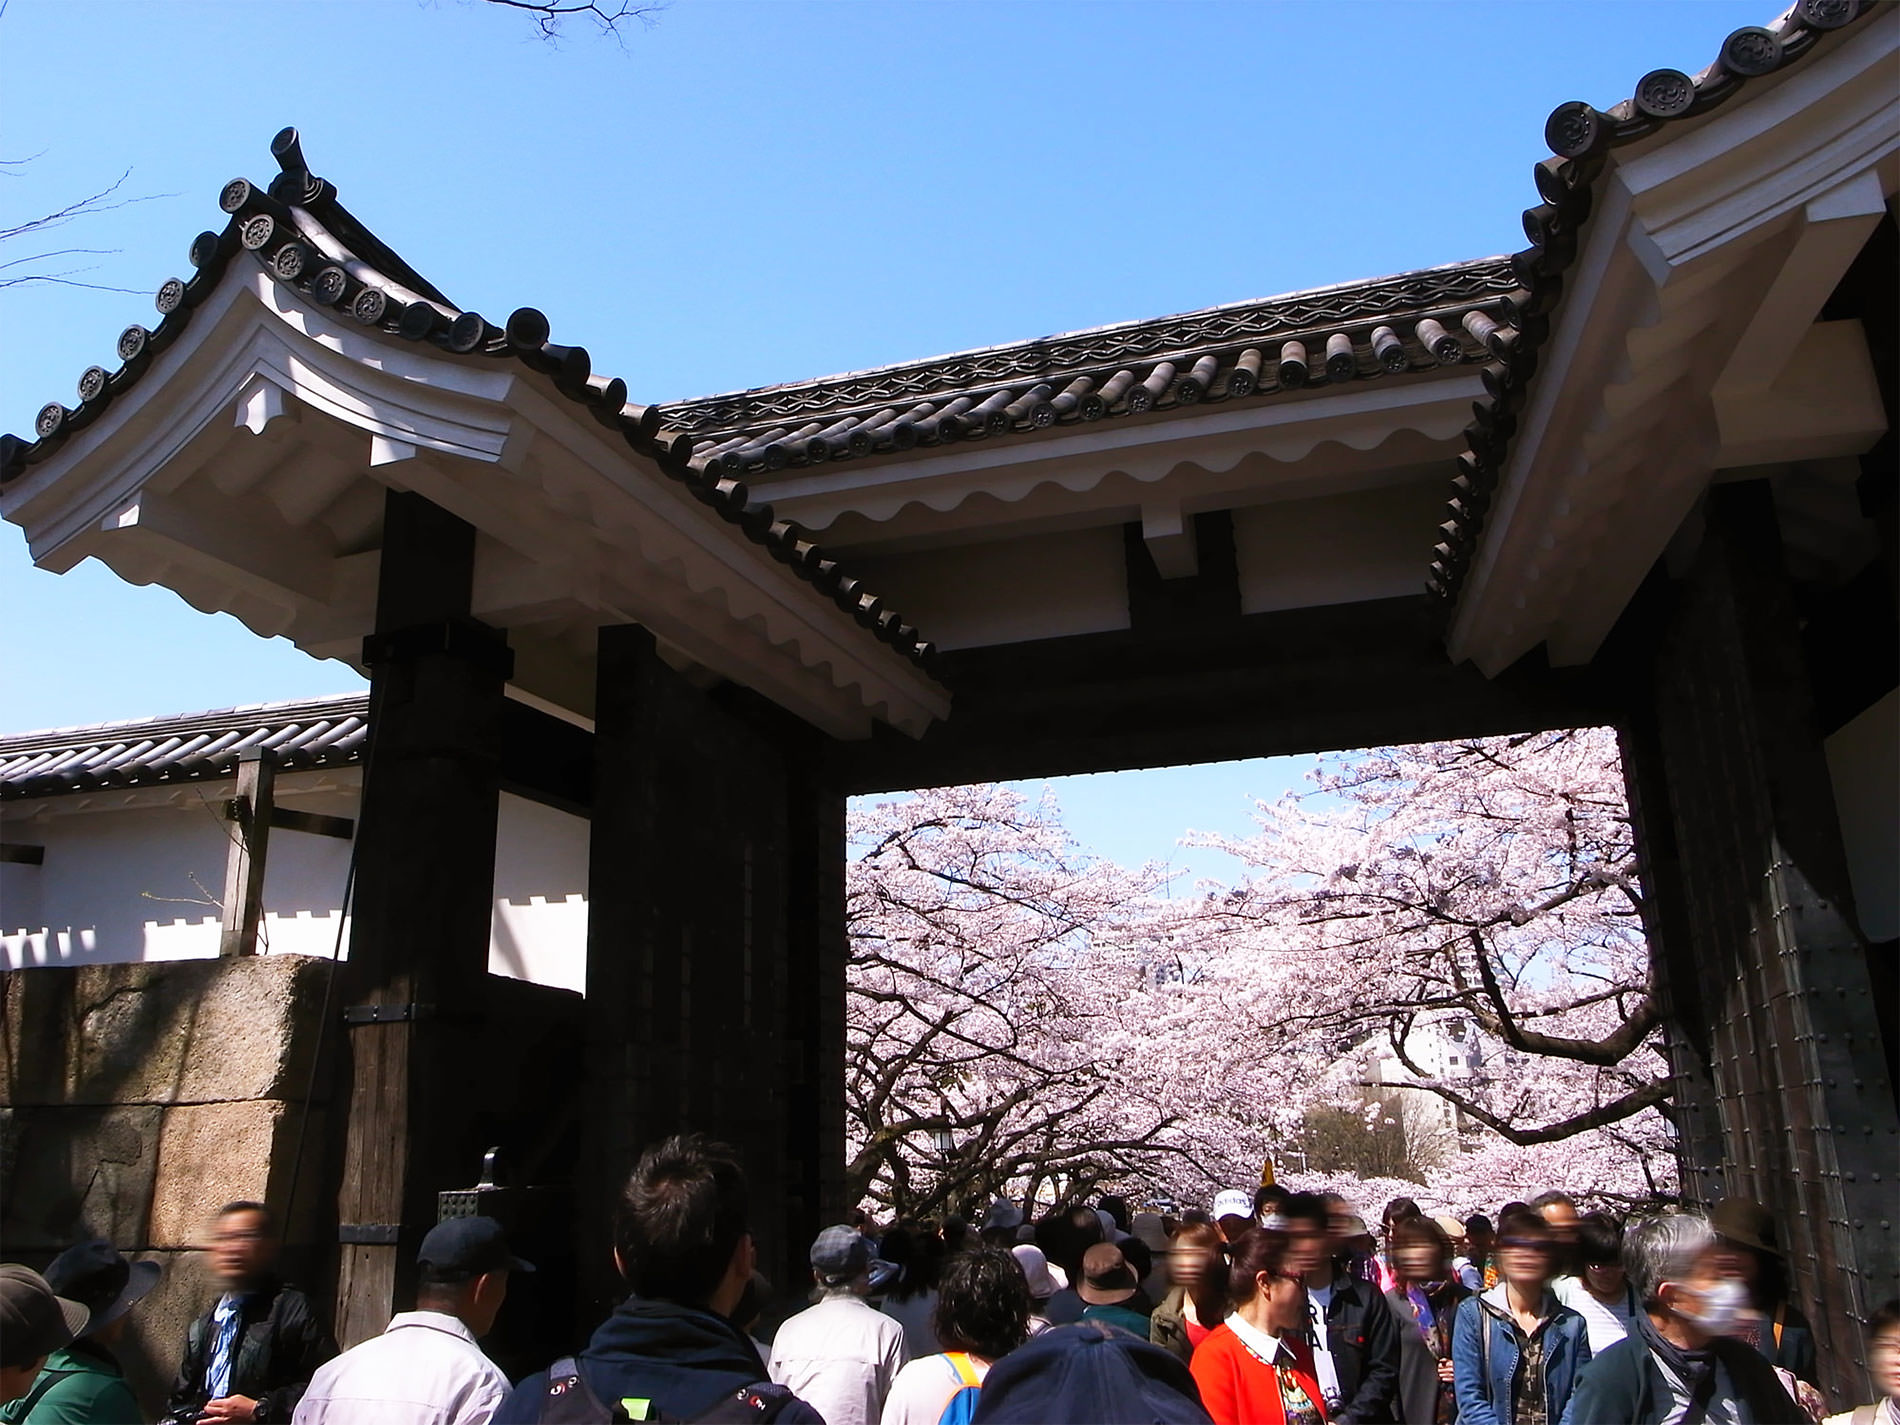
column 1677, row 1367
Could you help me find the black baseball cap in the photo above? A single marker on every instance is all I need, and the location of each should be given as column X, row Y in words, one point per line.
column 33, row 1321
column 469, row 1246
column 99, row 1279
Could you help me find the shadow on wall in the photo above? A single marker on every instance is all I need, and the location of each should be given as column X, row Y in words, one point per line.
column 144, row 883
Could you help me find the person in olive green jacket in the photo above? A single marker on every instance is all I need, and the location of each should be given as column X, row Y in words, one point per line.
column 81, row 1383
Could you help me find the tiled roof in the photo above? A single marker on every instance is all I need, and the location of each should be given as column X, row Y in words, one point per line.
column 309, row 242
column 323, row 732
column 1414, row 322
column 1581, row 138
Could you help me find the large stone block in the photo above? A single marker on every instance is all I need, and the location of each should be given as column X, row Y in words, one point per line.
column 73, row 1172
column 185, row 1031
column 213, row 1153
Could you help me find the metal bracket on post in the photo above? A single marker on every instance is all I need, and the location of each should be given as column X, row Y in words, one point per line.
column 386, row 1013
column 368, row 1234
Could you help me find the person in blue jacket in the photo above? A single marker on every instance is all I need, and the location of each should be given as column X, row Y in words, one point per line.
column 1516, row 1350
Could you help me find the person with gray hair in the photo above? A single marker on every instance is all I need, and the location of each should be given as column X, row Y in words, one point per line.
column 1677, row 1367
column 841, row 1355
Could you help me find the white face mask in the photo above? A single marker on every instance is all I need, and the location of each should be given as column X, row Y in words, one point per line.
column 1721, row 1304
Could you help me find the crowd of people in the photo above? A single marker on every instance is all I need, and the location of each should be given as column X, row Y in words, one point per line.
column 1271, row 1308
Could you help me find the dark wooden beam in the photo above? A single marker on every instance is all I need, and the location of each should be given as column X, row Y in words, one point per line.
column 312, row 823
column 1180, row 692
column 251, row 812
column 19, row 853
column 424, row 900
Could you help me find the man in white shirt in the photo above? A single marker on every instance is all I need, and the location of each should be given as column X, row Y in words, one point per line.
column 426, row 1369
column 841, row 1355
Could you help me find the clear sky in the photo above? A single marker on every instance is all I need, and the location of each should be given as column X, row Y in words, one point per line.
column 748, row 193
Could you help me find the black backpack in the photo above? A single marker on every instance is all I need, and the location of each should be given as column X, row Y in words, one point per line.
column 570, row 1401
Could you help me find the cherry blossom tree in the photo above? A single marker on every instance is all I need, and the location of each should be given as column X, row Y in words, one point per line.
column 1025, row 1018
column 1002, row 995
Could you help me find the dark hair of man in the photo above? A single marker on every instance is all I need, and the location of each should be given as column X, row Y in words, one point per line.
column 1190, row 1215
column 1116, row 1207
column 1523, row 1222
column 1139, row 1256
column 1075, row 1231
column 857, row 1217
column 1270, row 1195
column 265, row 1221
column 1476, row 1223
column 1599, row 1239
column 1398, row 1210
column 1307, row 1207
column 982, row 1304
column 438, row 1290
column 956, row 1232
column 1421, row 1231
column 680, row 1219
column 1510, row 1207
column 1254, row 1251
column 1884, row 1320
column 1553, row 1198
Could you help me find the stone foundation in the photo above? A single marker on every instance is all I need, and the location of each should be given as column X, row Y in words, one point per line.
column 135, row 1100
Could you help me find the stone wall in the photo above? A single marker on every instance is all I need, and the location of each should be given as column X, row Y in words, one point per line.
column 136, row 1099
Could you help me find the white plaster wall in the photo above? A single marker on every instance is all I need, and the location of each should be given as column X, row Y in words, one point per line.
column 540, row 927
column 1863, row 760
column 129, row 878
column 141, row 882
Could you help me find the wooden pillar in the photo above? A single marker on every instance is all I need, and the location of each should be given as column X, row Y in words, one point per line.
column 703, row 866
column 251, row 811
column 814, row 1007
column 1763, row 970
column 425, row 864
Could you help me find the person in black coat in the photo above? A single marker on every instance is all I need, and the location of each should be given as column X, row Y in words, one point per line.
column 253, row 1351
column 1358, row 1336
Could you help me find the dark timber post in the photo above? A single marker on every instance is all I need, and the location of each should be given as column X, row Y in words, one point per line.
column 1776, row 1038
column 425, row 872
column 713, row 884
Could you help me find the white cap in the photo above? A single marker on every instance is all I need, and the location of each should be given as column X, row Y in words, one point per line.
column 1232, row 1203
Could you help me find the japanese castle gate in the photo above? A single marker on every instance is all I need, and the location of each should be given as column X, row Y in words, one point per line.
column 1642, row 473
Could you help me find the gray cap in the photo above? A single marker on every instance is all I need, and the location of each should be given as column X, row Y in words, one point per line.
column 33, row 1322
column 840, row 1254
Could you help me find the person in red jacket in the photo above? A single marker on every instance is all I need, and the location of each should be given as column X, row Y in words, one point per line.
column 1256, row 1367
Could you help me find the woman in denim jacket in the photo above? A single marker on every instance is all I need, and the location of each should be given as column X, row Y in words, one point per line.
column 1516, row 1350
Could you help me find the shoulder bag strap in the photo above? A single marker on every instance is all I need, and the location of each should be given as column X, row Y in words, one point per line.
column 960, row 1363
column 1484, row 1350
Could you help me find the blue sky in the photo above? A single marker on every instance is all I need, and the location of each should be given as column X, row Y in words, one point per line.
column 749, row 193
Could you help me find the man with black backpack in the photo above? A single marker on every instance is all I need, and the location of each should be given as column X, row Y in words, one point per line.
column 670, row 1350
